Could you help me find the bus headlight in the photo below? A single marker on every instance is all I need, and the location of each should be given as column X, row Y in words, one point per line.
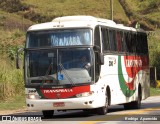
column 85, row 94
column 32, row 96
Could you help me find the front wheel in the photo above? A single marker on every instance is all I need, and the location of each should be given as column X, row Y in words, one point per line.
column 103, row 110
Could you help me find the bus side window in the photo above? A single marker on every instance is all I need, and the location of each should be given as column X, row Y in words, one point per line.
column 128, row 42
column 145, row 44
column 105, row 39
column 133, row 42
column 97, row 37
column 112, row 37
column 138, row 44
column 124, row 46
column 141, row 43
column 119, row 41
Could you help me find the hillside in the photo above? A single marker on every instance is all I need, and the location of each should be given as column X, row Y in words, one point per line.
column 98, row 8
column 145, row 11
column 17, row 15
column 124, row 11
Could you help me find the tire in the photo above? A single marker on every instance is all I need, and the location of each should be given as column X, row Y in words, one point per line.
column 137, row 104
column 134, row 104
column 103, row 110
column 128, row 106
column 48, row 113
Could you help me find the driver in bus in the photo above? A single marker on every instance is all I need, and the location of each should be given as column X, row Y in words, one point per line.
column 83, row 63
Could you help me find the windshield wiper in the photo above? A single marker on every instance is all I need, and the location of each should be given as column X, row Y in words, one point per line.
column 45, row 77
column 65, row 72
column 49, row 68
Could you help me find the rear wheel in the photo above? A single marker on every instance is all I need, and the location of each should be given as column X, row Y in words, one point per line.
column 135, row 104
column 103, row 110
column 48, row 113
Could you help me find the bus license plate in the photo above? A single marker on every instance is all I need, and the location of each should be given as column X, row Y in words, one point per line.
column 58, row 104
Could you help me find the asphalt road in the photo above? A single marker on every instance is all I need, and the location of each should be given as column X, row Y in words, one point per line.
column 149, row 112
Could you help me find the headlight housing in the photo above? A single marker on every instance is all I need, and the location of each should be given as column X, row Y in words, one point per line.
column 85, row 94
column 32, row 96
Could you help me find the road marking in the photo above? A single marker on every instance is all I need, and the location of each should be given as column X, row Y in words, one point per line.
column 123, row 114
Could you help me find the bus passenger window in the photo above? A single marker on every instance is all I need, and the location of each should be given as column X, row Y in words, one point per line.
column 113, row 44
column 105, row 39
column 134, row 37
column 145, row 44
column 124, row 47
column 128, row 42
column 119, row 41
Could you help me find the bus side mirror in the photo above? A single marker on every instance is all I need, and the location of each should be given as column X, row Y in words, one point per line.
column 101, row 56
column 20, row 50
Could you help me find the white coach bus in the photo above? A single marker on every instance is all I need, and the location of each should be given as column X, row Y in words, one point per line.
column 85, row 63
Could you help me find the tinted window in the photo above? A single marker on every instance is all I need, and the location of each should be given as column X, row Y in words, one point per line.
column 142, row 46
column 105, row 39
column 119, row 39
column 112, row 38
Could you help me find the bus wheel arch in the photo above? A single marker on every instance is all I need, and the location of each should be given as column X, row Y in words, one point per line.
column 104, row 110
column 109, row 95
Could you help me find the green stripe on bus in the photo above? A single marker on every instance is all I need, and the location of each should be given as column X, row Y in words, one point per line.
column 122, row 82
column 40, row 93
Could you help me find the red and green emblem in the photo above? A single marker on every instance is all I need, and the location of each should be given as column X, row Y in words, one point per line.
column 133, row 64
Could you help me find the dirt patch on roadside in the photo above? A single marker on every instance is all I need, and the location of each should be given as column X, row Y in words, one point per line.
column 8, row 112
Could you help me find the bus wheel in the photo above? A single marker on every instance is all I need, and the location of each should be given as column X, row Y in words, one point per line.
column 135, row 104
column 103, row 110
column 48, row 113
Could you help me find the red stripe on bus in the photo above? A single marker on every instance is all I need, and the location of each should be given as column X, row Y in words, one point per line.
column 60, row 93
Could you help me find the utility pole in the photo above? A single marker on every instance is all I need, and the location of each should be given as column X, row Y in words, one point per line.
column 111, row 9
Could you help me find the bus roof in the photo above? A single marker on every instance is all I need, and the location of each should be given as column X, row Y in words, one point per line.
column 78, row 21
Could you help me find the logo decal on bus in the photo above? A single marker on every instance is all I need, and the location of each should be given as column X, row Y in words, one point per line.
column 133, row 63
column 112, row 61
column 123, row 84
column 58, row 91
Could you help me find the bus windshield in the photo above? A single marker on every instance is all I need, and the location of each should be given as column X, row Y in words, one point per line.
column 59, row 66
column 60, row 37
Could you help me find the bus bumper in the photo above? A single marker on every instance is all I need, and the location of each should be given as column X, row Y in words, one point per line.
column 65, row 104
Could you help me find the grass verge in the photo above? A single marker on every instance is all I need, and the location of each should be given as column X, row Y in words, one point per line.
column 18, row 102
column 154, row 91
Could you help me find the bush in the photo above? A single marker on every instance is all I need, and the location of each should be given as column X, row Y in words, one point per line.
column 12, row 5
column 11, row 80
